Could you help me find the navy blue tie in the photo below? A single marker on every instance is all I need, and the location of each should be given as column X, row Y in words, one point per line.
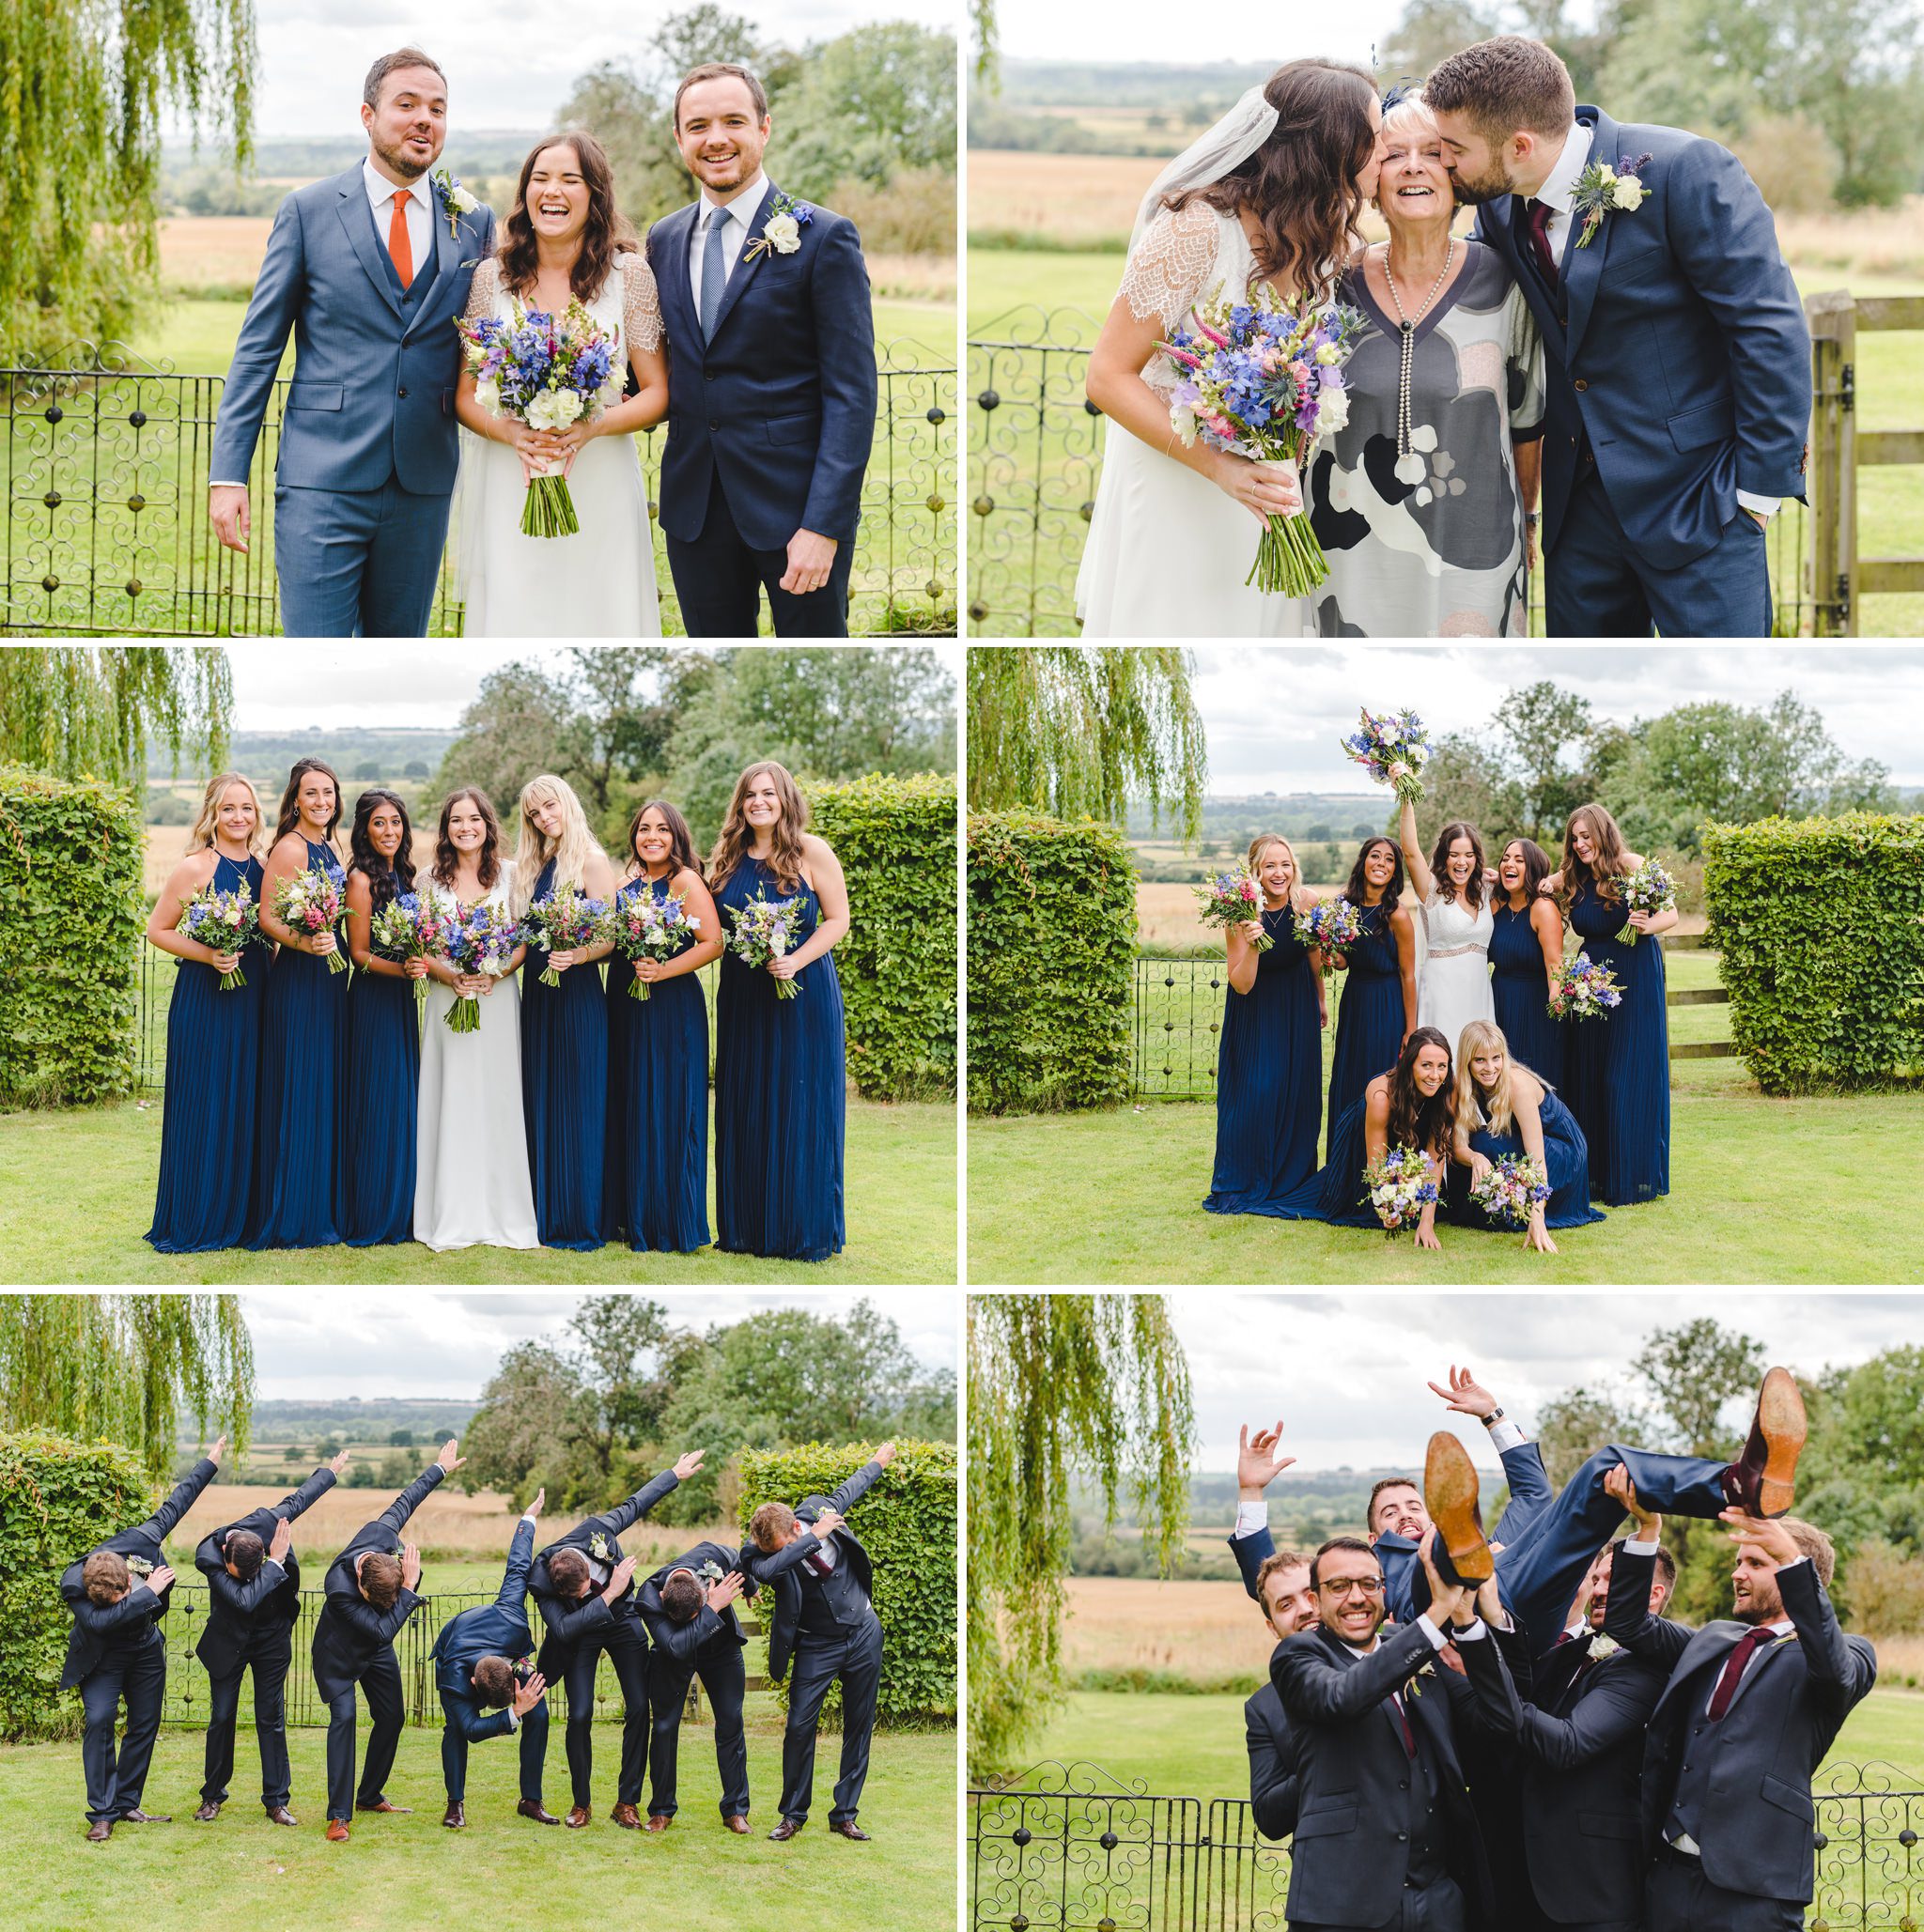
column 714, row 272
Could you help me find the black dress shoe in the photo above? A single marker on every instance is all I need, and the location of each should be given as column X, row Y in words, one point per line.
column 1761, row 1479
column 100, row 1830
column 532, row 1808
column 280, row 1814
column 207, row 1813
column 455, row 1815
column 847, row 1828
column 137, row 1816
column 786, row 1830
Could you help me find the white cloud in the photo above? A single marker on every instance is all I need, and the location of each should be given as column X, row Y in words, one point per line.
column 1090, row 30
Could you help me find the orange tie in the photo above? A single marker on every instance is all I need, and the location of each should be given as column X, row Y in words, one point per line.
column 397, row 240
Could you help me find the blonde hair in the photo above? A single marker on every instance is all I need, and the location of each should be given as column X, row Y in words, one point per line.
column 202, row 834
column 570, row 853
column 1412, row 111
column 1260, row 844
column 1472, row 1103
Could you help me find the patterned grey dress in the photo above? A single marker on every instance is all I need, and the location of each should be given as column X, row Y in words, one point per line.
column 1441, row 557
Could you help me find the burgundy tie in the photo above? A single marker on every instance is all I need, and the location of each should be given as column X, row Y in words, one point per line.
column 819, row 1563
column 1734, row 1670
column 1409, row 1736
column 1540, row 212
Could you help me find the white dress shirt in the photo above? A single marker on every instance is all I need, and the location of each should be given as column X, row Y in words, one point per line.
column 741, row 212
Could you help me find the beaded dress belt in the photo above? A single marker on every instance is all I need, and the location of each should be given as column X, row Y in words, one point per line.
column 1454, row 952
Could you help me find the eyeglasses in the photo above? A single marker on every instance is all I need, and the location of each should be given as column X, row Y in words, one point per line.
column 1341, row 1586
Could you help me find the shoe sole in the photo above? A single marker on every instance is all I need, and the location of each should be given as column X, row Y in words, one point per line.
column 1780, row 1416
column 1450, row 1494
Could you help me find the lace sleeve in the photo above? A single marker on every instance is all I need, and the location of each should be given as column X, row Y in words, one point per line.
column 1173, row 265
column 640, row 304
column 481, row 291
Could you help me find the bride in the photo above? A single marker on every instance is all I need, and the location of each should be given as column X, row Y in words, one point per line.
column 1455, row 925
column 562, row 242
column 471, row 1177
column 1272, row 193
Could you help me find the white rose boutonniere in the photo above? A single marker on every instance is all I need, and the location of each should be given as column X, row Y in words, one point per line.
column 1602, row 190
column 455, row 200
column 1602, row 1647
column 781, row 232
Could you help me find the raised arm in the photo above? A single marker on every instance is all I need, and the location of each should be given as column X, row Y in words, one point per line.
column 1316, row 1692
column 1841, row 1673
column 1421, row 876
column 161, row 1524
column 312, row 1491
column 397, row 1512
column 513, row 1593
column 645, row 1498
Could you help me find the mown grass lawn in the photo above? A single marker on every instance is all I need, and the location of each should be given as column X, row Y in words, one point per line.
column 501, row 1870
column 77, row 1190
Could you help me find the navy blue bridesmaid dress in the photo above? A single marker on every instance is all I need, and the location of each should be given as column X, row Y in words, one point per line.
column 1522, row 997
column 379, row 1109
column 1269, row 1080
column 1566, row 1162
column 781, row 1094
column 657, row 1104
column 297, row 1181
column 565, row 1095
column 1369, row 1016
column 1334, row 1193
column 1618, row 1066
column 207, row 1112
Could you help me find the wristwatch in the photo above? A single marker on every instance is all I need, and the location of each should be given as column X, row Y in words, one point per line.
column 1495, row 1416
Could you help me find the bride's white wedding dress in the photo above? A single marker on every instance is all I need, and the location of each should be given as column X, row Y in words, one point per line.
column 600, row 581
column 1167, row 550
column 1454, row 980
column 472, row 1184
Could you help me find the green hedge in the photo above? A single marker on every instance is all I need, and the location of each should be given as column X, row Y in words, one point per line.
column 895, row 838
column 1052, row 946
column 71, row 907
column 57, row 1499
column 1820, row 923
column 908, row 1525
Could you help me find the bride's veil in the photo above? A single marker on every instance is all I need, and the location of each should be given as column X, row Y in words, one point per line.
column 1223, row 148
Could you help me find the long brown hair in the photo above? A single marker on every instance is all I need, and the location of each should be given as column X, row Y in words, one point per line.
column 1439, row 864
column 290, row 798
column 681, row 841
column 1611, row 854
column 447, row 860
column 785, row 840
column 1301, row 183
column 1430, row 1124
column 385, row 880
column 518, row 252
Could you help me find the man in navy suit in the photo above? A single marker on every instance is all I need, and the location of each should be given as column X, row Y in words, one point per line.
column 480, row 1669
column 117, row 1595
column 367, row 270
column 254, row 1603
column 771, row 378
column 1676, row 350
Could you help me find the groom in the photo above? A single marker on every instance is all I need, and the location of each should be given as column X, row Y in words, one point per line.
column 1676, row 350
column 368, row 271
column 771, row 379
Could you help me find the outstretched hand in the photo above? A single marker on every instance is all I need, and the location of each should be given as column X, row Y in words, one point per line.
column 410, row 1566
column 1617, row 1483
column 1257, row 1463
column 341, row 1461
column 540, row 1497
column 1446, row 1599
column 447, row 1459
column 1768, row 1532
column 283, row 1542
column 685, row 1465
column 885, row 1455
column 724, row 1591
column 528, row 1693
column 219, row 1449
column 1465, row 1395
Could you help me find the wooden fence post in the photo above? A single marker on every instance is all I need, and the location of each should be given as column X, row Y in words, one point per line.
column 1833, row 465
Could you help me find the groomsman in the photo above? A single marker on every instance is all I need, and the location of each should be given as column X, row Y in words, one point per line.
column 370, row 1593
column 117, row 1595
column 826, row 1620
column 487, row 1691
column 1749, row 1709
column 686, row 1609
column 254, row 1601
column 584, row 1588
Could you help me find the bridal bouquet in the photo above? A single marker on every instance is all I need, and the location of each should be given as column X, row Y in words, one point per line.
column 1509, row 1188
column 409, row 926
column 1395, row 737
column 310, row 902
column 1265, row 379
column 1334, row 925
column 227, row 922
column 1400, row 1187
column 1231, row 897
column 1649, row 888
column 1584, row 990
column 562, row 923
column 477, row 940
column 764, row 928
column 641, row 926
column 547, row 372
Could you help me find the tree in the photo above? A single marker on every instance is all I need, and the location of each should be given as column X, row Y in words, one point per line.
column 868, row 105
column 88, row 90
column 1694, row 1372
column 123, row 1367
column 1535, row 724
column 1465, row 780
column 1097, row 1384
column 367, row 772
column 1081, row 729
column 516, row 725
column 515, row 1439
column 1575, row 1426
column 90, row 710
column 400, row 1438
column 415, row 769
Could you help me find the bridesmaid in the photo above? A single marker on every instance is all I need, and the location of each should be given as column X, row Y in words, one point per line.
column 1269, row 1064
column 781, row 1082
column 1505, row 1107
column 296, row 1197
column 1526, row 957
column 213, row 1037
column 382, row 1097
column 658, row 1083
column 1617, row 1065
column 564, row 1027
column 1377, row 1011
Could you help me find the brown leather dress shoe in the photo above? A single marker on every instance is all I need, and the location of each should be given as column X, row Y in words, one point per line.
column 532, row 1808
column 1450, row 1494
column 337, row 1831
column 737, row 1823
column 786, row 1830
column 207, row 1814
column 455, row 1815
column 627, row 1817
column 847, row 1828
column 100, row 1830
column 400, row 1810
column 658, row 1821
column 1761, row 1479
column 577, row 1818
column 137, row 1816
column 282, row 1816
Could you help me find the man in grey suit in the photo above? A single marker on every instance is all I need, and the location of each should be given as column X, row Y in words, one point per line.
column 367, row 270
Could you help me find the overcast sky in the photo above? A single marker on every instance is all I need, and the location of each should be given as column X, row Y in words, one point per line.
column 1083, row 30
column 371, row 1341
column 422, row 685
column 1274, row 715
column 1347, row 1373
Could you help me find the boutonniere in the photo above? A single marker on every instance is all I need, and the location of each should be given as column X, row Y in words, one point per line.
column 455, row 200
column 1602, row 190
column 139, row 1566
column 1602, row 1647
column 597, row 1548
column 711, row 1572
column 781, row 231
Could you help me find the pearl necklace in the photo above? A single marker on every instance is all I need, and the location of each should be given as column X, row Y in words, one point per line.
column 1410, row 468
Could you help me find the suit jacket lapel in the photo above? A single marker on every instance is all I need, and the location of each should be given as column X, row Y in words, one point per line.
column 1500, row 234
column 447, row 260
column 675, row 284
column 1583, row 268
column 1758, row 1664
column 1706, row 1649
column 744, row 268
column 357, row 218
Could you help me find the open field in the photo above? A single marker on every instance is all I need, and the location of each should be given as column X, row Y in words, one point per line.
column 166, row 845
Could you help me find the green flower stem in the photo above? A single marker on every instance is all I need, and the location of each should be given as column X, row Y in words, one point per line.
column 550, row 510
